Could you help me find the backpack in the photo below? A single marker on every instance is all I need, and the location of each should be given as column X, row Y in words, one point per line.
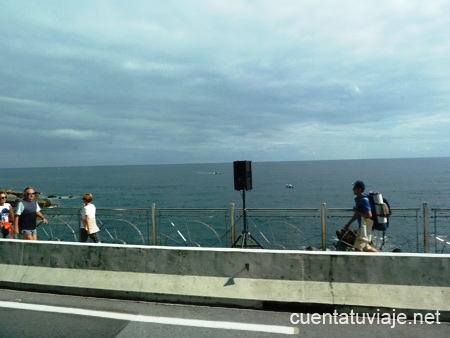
column 381, row 211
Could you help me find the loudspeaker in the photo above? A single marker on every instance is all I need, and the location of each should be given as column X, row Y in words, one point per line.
column 242, row 175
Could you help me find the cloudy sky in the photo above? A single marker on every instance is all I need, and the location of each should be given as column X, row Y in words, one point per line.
column 199, row 81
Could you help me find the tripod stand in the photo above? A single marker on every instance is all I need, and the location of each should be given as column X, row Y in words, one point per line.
column 245, row 235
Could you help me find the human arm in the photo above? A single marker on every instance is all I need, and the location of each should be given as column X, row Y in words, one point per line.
column 86, row 223
column 361, row 210
column 364, row 210
column 11, row 217
column 11, row 214
column 39, row 214
column 42, row 217
column 16, row 224
column 354, row 217
column 366, row 213
column 17, row 216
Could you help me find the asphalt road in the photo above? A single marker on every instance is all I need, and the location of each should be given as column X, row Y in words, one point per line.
column 28, row 314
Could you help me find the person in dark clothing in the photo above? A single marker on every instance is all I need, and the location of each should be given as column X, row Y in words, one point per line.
column 26, row 214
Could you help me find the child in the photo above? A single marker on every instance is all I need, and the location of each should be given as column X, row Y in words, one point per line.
column 88, row 226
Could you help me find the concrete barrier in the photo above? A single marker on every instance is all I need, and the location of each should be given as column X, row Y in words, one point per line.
column 238, row 277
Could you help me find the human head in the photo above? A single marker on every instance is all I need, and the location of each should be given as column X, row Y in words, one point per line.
column 360, row 185
column 28, row 193
column 88, row 198
column 2, row 197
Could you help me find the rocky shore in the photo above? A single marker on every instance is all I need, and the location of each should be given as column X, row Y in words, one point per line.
column 13, row 197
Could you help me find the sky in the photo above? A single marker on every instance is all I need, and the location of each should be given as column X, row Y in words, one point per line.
column 213, row 81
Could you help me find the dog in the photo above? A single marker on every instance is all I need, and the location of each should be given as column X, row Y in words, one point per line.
column 346, row 239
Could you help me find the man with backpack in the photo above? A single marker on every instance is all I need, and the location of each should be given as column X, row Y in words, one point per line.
column 362, row 213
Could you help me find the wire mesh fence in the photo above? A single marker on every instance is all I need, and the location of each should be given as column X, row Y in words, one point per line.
column 410, row 229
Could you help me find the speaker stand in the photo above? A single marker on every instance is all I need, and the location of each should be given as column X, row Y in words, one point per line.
column 245, row 235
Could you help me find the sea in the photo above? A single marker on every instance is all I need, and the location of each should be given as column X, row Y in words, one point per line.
column 406, row 183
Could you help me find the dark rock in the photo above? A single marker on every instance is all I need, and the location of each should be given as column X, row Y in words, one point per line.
column 13, row 197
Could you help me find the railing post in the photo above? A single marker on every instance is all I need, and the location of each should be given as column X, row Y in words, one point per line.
column 426, row 238
column 324, row 226
column 232, row 220
column 154, row 223
column 417, row 232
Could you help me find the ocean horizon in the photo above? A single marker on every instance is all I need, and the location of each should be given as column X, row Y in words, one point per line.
column 405, row 182
column 208, row 163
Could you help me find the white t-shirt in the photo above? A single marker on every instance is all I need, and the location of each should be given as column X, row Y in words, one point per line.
column 4, row 209
column 21, row 208
column 87, row 210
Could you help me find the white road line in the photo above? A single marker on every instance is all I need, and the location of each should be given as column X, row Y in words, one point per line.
column 152, row 319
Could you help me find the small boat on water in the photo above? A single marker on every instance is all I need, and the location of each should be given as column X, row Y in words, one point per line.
column 289, row 186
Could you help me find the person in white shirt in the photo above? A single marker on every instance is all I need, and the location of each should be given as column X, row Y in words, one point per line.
column 7, row 216
column 88, row 225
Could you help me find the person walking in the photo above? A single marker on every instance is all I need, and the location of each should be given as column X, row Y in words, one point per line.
column 363, row 213
column 88, row 225
column 7, row 216
column 26, row 214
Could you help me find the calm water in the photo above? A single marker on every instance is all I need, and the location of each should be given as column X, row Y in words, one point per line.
column 404, row 182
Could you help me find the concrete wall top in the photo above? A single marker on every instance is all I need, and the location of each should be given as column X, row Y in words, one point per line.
column 341, row 267
column 229, row 276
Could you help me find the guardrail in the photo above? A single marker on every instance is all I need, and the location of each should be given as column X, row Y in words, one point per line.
column 292, row 229
column 441, row 230
column 192, row 227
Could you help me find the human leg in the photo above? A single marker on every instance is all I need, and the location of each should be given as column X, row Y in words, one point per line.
column 30, row 235
column 369, row 246
column 83, row 235
column 361, row 238
column 5, row 232
column 94, row 238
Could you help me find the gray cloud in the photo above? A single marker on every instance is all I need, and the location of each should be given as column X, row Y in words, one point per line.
column 113, row 82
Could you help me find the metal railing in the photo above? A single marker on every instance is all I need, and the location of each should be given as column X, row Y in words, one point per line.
column 192, row 227
column 291, row 229
column 441, row 231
